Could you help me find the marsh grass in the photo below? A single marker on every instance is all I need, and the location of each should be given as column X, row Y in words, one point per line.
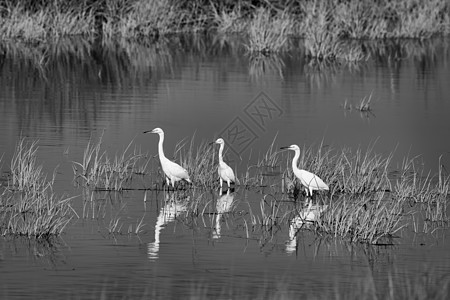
column 372, row 220
column 29, row 207
column 25, row 173
column 228, row 20
column 42, row 23
column 268, row 24
column 366, row 201
column 145, row 19
column 321, row 36
column 362, row 172
column 419, row 187
column 200, row 160
column 364, row 106
column 99, row 171
column 267, row 33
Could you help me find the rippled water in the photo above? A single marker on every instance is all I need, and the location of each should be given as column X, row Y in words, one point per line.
column 77, row 90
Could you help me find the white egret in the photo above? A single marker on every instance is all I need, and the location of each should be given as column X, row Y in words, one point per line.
column 173, row 171
column 225, row 172
column 309, row 180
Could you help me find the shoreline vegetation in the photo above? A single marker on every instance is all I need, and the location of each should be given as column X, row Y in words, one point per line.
column 369, row 200
column 326, row 28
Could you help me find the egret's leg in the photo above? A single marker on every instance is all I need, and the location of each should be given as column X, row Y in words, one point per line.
column 221, row 182
column 229, row 183
column 173, row 183
column 168, row 182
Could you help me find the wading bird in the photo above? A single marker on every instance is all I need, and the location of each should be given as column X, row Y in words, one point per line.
column 173, row 171
column 224, row 170
column 309, row 180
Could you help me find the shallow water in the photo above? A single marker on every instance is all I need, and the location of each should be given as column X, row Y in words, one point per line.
column 211, row 88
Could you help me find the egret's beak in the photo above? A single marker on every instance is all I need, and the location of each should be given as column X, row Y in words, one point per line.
column 148, row 131
column 285, row 148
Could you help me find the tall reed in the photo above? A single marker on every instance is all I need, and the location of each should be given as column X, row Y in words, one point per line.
column 267, row 23
column 267, row 33
column 200, row 160
column 29, row 207
column 99, row 171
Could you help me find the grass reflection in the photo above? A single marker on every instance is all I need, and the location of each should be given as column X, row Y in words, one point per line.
column 60, row 76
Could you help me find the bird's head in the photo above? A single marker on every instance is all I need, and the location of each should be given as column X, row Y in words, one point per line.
column 155, row 130
column 220, row 141
column 291, row 147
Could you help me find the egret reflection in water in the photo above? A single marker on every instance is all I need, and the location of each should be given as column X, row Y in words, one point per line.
column 174, row 205
column 224, row 205
column 306, row 217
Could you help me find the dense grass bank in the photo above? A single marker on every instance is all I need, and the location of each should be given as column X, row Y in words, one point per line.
column 266, row 25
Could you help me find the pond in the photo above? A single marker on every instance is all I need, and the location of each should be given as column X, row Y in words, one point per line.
column 140, row 242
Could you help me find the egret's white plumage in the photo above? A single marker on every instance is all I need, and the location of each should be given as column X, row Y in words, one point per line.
column 309, row 180
column 173, row 171
column 171, row 209
column 306, row 217
column 224, row 205
column 225, row 172
column 311, row 213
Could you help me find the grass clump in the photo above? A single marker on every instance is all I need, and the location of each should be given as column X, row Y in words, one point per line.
column 29, row 207
column 267, row 33
column 372, row 220
column 200, row 161
column 101, row 172
column 362, row 172
column 39, row 22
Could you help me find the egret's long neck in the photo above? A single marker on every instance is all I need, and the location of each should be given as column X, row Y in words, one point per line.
column 295, row 160
column 160, row 146
column 220, row 153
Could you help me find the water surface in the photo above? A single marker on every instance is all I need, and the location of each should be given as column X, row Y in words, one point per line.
column 205, row 88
